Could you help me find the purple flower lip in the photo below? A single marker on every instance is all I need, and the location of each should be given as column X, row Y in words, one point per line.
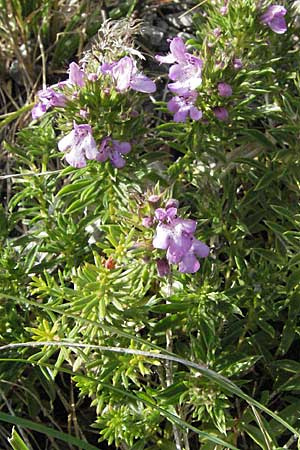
column 113, row 150
column 125, row 74
column 79, row 145
column 274, row 18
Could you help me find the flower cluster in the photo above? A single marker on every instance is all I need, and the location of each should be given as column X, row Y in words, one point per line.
column 176, row 236
column 79, row 145
column 185, row 73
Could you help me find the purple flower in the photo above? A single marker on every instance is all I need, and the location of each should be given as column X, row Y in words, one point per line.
column 125, row 74
column 154, row 198
column 274, row 18
column 217, row 32
column 221, row 113
column 176, row 235
column 80, row 145
column 113, row 150
column 83, row 113
column 172, row 203
column 183, row 106
column 163, row 267
column 225, row 90
column 48, row 97
column 237, row 63
column 186, row 73
column 147, row 222
column 76, row 75
column 224, row 10
column 189, row 263
column 173, row 234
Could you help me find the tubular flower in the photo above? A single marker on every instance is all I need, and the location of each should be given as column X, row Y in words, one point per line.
column 79, row 145
column 125, row 74
column 48, row 97
column 176, row 236
column 186, row 72
column 274, row 18
column 113, row 150
column 76, row 75
column 183, row 106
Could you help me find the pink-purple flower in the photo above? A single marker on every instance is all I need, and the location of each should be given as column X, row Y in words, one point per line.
column 221, row 113
column 125, row 74
column 79, row 145
column 237, row 63
column 224, row 10
column 113, row 150
column 176, row 236
column 48, row 97
column 190, row 263
column 224, row 89
column 183, row 106
column 76, row 75
column 274, row 18
column 186, row 72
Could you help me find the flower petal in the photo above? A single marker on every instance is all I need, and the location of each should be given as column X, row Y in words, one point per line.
column 90, row 147
column 199, row 248
column 189, row 264
column 181, row 114
column 121, row 147
column 67, row 141
column 141, row 83
column 195, row 113
column 76, row 75
column 178, row 50
column 278, row 25
column 38, row 110
column 168, row 59
column 76, row 158
column 161, row 239
column 117, row 159
column 173, row 105
column 122, row 72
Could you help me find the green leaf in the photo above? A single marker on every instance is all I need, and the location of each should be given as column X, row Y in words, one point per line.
column 16, row 442
column 25, row 423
